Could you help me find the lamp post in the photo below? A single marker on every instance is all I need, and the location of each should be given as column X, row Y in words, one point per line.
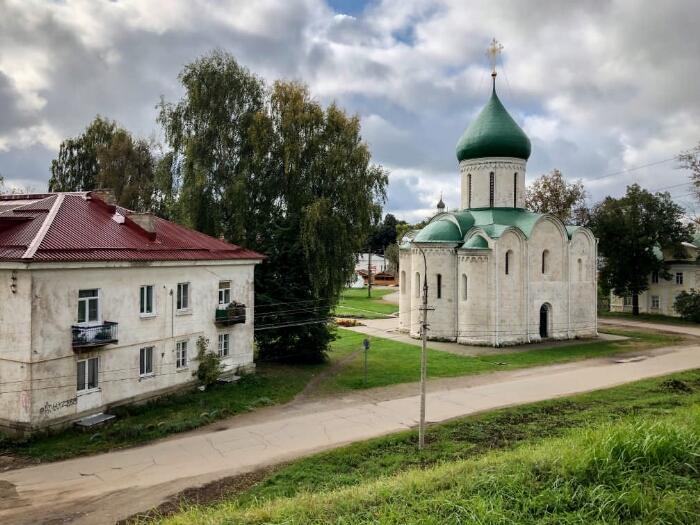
column 424, row 336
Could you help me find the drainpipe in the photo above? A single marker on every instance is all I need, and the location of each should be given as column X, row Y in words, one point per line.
column 568, row 292
column 172, row 314
column 497, row 296
column 527, row 306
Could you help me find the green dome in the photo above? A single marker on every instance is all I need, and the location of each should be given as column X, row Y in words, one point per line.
column 476, row 242
column 494, row 133
column 439, row 231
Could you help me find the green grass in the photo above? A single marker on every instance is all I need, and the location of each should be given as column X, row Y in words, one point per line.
column 623, row 455
column 651, row 318
column 354, row 303
column 391, row 362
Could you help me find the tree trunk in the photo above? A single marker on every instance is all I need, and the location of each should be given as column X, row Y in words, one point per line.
column 635, row 303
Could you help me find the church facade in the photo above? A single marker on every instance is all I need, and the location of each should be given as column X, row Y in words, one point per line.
column 497, row 274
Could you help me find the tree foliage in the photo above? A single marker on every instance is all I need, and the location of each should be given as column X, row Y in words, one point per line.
column 631, row 231
column 268, row 168
column 550, row 193
column 384, row 234
column 107, row 156
column 210, row 366
column 687, row 304
column 690, row 160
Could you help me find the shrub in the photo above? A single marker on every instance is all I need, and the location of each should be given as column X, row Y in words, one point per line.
column 687, row 304
column 210, row 367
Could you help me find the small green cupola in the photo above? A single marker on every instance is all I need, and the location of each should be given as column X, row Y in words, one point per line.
column 494, row 133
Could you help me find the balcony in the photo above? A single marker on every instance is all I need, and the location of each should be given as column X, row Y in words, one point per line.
column 233, row 314
column 88, row 337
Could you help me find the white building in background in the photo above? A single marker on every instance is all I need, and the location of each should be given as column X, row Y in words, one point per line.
column 100, row 306
column 498, row 274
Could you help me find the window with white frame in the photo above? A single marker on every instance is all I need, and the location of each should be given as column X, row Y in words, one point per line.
column 224, row 292
column 181, row 354
column 654, row 277
column 89, row 306
column 147, row 307
column 679, row 277
column 146, row 361
column 183, row 296
column 87, row 370
column 224, row 341
column 628, row 300
column 654, row 301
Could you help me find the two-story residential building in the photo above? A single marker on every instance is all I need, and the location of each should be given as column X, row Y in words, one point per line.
column 661, row 295
column 101, row 306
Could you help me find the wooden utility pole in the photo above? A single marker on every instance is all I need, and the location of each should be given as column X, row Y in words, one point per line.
column 369, row 274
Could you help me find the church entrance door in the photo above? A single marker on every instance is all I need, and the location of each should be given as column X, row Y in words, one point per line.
column 544, row 314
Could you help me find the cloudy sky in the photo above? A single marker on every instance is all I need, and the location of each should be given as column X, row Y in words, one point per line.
column 605, row 89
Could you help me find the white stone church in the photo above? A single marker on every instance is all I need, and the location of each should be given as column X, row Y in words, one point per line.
column 497, row 274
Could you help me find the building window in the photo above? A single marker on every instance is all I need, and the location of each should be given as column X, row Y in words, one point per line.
column 87, row 374
column 492, row 188
column 679, row 277
column 88, row 306
column 183, row 296
column 654, row 277
column 439, row 286
column 147, row 303
column 545, row 261
column 464, row 287
column 515, row 190
column 628, row 300
column 655, row 301
column 224, row 292
column 469, row 190
column 417, row 285
column 181, row 354
column 223, row 345
column 509, row 256
column 146, row 361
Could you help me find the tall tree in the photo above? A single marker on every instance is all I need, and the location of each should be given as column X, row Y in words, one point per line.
column 276, row 172
column 690, row 160
column 631, row 231
column 550, row 193
column 107, row 156
column 383, row 234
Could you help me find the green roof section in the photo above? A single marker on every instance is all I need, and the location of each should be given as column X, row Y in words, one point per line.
column 494, row 133
column 454, row 226
column 476, row 243
column 441, row 230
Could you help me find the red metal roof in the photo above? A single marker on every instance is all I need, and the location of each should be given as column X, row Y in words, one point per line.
column 81, row 227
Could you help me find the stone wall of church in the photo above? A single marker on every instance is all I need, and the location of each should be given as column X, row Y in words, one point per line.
column 512, row 275
column 405, row 291
column 583, row 284
column 475, row 297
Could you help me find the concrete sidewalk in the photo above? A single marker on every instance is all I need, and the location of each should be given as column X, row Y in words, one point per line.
column 108, row 487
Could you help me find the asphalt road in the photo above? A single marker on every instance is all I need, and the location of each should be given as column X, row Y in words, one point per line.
column 105, row 488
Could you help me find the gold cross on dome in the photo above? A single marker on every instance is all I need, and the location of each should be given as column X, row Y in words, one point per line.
column 493, row 52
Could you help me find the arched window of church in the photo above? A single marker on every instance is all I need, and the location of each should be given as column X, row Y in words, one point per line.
column 580, row 270
column 515, row 190
column 545, row 261
column 403, row 283
column 464, row 287
column 439, row 286
column 469, row 190
column 509, row 261
column 492, row 184
column 417, row 285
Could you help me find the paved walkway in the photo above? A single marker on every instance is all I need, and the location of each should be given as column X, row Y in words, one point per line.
column 105, row 488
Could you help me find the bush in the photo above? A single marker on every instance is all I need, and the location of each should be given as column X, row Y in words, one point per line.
column 687, row 304
column 210, row 367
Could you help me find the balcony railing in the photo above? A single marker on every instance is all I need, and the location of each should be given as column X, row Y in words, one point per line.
column 233, row 314
column 85, row 337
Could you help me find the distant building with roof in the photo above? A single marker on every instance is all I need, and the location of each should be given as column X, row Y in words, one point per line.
column 661, row 295
column 497, row 274
column 101, row 306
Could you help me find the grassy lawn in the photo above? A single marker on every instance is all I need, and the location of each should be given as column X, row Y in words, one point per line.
column 391, row 362
column 354, row 303
column 651, row 318
column 622, row 455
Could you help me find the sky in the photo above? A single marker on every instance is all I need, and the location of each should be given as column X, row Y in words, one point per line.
column 605, row 89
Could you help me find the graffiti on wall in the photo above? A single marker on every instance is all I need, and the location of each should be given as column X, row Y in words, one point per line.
column 54, row 407
column 25, row 401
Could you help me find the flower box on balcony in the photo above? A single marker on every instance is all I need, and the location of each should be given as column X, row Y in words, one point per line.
column 234, row 313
